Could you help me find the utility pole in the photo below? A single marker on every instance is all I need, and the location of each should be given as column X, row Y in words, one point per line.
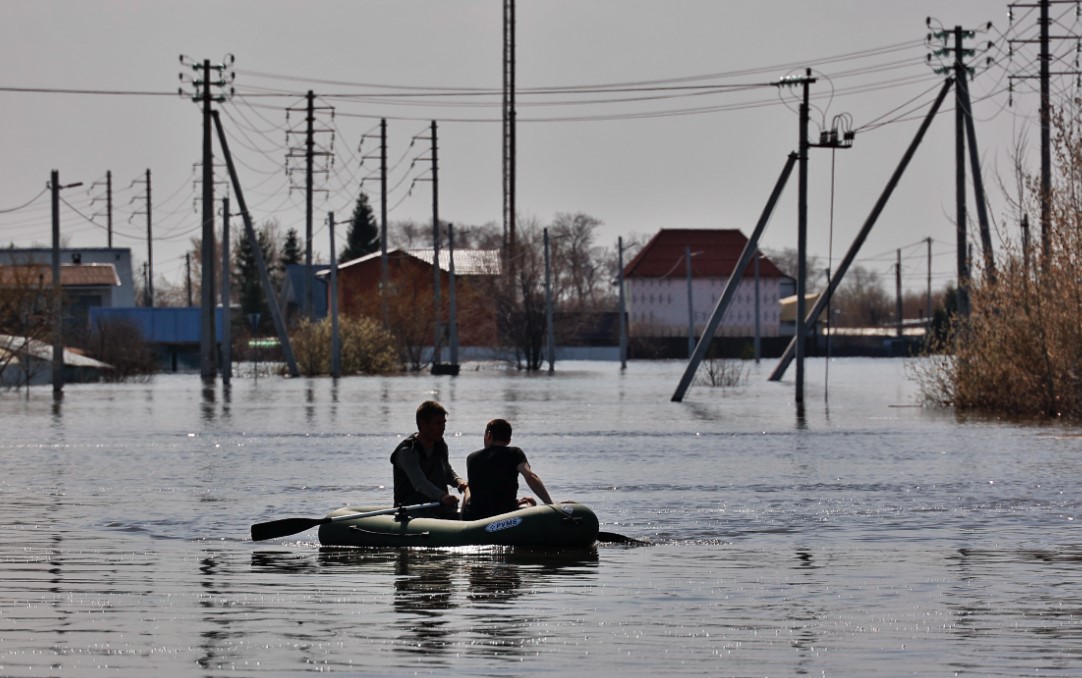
column 108, row 206
column 898, row 294
column 928, row 302
column 964, row 128
column 188, row 275
column 227, row 310
column 384, row 272
column 148, row 300
column 436, row 347
column 58, row 290
column 509, row 136
column 550, row 334
column 623, row 303
column 336, row 343
column 1044, row 59
column 207, row 335
column 691, row 306
column 452, row 327
column 309, row 153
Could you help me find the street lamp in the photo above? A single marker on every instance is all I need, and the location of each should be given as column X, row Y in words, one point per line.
column 58, row 339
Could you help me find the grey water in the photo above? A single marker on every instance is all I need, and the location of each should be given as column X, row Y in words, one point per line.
column 866, row 535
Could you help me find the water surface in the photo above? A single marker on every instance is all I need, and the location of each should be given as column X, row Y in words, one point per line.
column 868, row 536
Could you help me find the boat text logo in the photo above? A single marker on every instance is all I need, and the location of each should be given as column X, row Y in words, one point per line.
column 503, row 524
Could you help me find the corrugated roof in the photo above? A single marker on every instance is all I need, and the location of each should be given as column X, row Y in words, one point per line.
column 42, row 351
column 467, row 262
column 714, row 253
column 71, row 275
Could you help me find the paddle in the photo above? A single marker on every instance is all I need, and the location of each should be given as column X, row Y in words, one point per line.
column 614, row 538
column 287, row 526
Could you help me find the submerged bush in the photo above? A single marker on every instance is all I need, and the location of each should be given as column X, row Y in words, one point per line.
column 1019, row 352
column 367, row 348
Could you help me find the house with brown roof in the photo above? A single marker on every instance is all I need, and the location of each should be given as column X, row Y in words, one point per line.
column 656, row 285
column 411, row 283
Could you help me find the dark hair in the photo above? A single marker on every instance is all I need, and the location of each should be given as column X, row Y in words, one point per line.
column 500, row 430
column 427, row 410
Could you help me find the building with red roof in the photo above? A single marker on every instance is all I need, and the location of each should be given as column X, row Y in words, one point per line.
column 656, row 285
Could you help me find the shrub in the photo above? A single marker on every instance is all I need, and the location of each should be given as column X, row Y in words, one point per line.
column 366, row 347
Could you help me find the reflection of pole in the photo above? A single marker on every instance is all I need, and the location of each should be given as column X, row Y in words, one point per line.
column 623, row 302
column 227, row 313
column 58, row 317
column 691, row 310
column 550, row 333
column 453, row 321
column 336, row 342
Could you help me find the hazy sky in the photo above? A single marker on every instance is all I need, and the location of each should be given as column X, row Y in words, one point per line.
column 632, row 111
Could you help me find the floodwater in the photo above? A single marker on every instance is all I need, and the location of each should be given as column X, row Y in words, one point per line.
column 869, row 536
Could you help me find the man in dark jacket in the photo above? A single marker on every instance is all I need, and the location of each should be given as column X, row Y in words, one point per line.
column 422, row 470
column 493, row 473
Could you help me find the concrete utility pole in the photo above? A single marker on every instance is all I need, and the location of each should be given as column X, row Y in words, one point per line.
column 691, row 305
column 108, row 206
column 148, row 299
column 858, row 242
column 509, row 136
column 550, row 334
column 1044, row 59
column 58, row 290
column 452, row 327
column 623, row 303
column 964, row 129
column 437, row 348
column 207, row 334
column 384, row 272
column 898, row 294
column 227, row 312
column 309, row 153
column 802, row 239
column 336, row 342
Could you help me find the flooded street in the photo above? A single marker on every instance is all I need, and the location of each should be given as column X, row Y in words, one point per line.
column 870, row 536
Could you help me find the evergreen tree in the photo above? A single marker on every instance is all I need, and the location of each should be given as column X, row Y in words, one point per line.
column 292, row 252
column 249, row 287
column 363, row 235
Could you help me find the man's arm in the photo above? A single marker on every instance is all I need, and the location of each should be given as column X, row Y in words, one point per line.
column 534, row 481
column 410, row 462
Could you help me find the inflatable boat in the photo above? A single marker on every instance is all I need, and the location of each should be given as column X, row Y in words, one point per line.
column 567, row 524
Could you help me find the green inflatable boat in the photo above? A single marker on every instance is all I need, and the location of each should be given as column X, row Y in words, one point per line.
column 567, row 524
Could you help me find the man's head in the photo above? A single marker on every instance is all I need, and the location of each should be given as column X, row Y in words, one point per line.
column 498, row 431
column 431, row 420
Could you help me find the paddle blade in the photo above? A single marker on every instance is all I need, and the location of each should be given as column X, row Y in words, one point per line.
column 614, row 538
column 283, row 527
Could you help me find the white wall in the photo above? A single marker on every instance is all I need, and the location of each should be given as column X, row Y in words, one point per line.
column 659, row 306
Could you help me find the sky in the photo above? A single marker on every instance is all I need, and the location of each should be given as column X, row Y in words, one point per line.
column 643, row 114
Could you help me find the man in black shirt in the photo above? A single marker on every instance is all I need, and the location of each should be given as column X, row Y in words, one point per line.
column 422, row 470
column 493, row 473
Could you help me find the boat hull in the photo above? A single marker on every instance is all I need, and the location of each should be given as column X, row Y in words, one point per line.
column 567, row 524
